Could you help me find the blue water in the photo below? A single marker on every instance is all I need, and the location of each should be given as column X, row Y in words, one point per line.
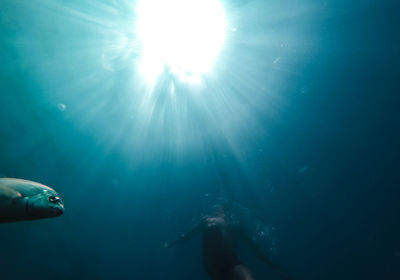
column 297, row 123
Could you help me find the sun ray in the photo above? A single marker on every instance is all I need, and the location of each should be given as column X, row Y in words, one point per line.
column 184, row 36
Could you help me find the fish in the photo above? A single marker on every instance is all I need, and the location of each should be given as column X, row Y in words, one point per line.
column 22, row 200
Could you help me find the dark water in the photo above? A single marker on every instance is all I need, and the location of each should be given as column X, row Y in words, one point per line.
column 298, row 123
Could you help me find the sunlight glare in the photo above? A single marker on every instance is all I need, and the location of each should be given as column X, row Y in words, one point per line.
column 184, row 36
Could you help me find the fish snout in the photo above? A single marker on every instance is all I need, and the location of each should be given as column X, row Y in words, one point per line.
column 58, row 210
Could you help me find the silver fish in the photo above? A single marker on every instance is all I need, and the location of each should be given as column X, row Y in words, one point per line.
column 27, row 200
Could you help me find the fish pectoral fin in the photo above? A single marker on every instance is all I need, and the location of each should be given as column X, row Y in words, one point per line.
column 7, row 194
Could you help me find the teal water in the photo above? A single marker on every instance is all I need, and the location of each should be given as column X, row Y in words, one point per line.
column 297, row 123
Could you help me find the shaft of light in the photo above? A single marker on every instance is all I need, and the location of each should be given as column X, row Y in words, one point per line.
column 183, row 35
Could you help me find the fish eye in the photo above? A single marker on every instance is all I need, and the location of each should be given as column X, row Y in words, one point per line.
column 54, row 199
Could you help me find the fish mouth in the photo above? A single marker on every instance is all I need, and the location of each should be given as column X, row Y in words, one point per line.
column 58, row 211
